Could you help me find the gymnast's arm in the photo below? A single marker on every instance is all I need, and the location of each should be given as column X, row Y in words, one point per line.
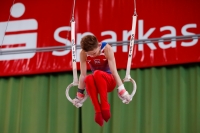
column 83, row 70
column 112, row 64
column 111, row 61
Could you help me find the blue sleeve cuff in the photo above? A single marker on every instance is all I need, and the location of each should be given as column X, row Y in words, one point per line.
column 103, row 44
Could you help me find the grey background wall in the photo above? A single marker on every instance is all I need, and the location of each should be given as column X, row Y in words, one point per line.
column 167, row 101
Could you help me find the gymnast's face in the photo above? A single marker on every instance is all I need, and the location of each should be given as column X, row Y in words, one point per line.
column 95, row 52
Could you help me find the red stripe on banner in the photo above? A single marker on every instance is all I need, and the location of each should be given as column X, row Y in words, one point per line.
column 12, row 46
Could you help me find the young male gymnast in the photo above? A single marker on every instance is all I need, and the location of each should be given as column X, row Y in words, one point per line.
column 103, row 79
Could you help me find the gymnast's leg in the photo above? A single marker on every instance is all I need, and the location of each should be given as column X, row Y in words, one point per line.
column 93, row 94
column 105, row 83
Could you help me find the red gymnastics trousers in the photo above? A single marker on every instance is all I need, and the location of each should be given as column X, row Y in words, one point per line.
column 100, row 83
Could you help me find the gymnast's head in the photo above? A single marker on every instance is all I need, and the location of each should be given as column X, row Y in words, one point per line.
column 89, row 43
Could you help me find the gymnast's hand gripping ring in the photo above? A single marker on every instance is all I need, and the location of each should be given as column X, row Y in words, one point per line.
column 69, row 98
column 134, row 86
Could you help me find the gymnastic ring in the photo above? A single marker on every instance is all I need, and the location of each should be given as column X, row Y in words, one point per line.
column 69, row 98
column 134, row 87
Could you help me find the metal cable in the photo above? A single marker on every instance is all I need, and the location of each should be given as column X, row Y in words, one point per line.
column 135, row 13
column 73, row 11
column 118, row 43
column 72, row 18
column 6, row 26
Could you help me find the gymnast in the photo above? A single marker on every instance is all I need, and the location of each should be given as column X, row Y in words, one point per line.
column 103, row 79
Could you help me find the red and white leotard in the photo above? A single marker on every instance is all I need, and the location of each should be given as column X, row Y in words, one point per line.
column 99, row 62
